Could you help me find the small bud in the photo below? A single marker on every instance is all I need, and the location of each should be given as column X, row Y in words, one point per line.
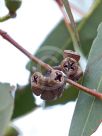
column 13, row 5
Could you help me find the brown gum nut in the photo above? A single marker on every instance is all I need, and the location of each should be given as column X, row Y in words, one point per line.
column 54, row 86
column 79, row 74
column 69, row 66
column 47, row 95
column 71, row 54
column 57, row 77
column 35, row 84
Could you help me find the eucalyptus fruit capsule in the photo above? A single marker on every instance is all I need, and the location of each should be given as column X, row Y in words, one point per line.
column 13, row 5
column 49, row 87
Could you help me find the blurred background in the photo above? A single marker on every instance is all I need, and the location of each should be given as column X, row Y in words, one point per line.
column 34, row 21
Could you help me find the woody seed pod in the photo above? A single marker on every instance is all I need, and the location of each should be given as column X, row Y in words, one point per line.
column 50, row 86
column 69, row 66
column 71, row 54
column 54, row 86
column 35, row 83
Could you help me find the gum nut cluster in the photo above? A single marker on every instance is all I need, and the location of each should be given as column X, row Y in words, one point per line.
column 50, row 86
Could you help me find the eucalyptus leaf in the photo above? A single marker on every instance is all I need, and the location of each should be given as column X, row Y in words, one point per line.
column 88, row 26
column 6, row 106
column 88, row 111
column 24, row 101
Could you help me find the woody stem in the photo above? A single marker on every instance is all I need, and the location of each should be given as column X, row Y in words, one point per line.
column 46, row 66
column 24, row 51
column 65, row 8
column 73, row 24
column 85, row 89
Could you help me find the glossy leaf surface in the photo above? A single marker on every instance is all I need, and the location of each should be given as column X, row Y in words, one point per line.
column 88, row 111
column 6, row 106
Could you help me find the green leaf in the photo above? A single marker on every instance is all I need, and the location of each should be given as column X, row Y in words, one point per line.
column 6, row 106
column 88, row 26
column 24, row 101
column 88, row 111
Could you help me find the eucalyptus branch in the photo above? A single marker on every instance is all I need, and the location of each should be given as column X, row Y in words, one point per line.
column 66, row 20
column 75, row 8
column 65, row 7
column 85, row 89
column 73, row 24
column 46, row 66
column 19, row 47
column 83, row 60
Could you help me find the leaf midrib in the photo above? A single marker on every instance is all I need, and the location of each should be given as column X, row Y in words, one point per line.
column 91, row 107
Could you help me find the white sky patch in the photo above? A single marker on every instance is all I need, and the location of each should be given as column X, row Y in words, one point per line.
column 53, row 121
column 98, row 132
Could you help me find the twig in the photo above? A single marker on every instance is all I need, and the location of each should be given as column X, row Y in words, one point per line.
column 75, row 42
column 80, row 12
column 66, row 20
column 7, row 17
column 4, row 18
column 46, row 66
column 29, row 55
column 85, row 89
column 73, row 24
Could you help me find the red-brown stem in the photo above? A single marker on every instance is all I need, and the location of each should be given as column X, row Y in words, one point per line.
column 85, row 89
column 70, row 15
column 59, row 2
column 64, row 14
column 80, row 12
column 46, row 66
column 19, row 47
column 72, row 28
